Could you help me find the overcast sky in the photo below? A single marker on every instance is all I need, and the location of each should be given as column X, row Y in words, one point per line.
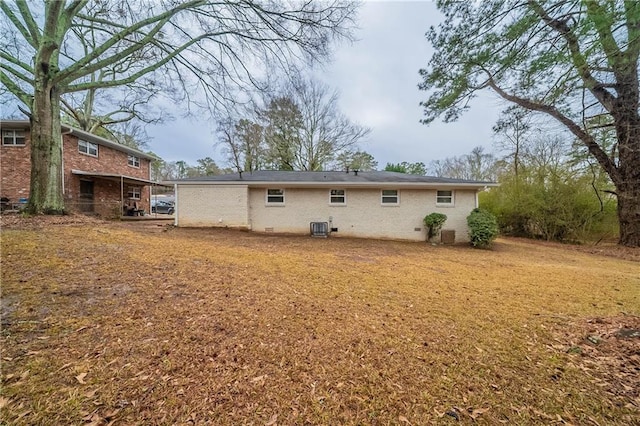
column 377, row 78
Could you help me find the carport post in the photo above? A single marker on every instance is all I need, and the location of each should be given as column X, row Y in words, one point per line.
column 121, row 194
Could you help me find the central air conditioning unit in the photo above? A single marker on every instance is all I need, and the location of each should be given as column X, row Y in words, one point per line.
column 319, row 229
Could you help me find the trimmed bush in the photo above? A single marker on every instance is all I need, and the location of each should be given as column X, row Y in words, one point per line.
column 483, row 228
column 434, row 222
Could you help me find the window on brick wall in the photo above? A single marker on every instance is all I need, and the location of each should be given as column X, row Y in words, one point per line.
column 13, row 137
column 275, row 196
column 133, row 160
column 134, row 192
column 337, row 196
column 390, row 196
column 444, row 198
column 88, row 148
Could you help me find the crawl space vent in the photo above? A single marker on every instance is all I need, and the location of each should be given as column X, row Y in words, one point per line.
column 319, row 229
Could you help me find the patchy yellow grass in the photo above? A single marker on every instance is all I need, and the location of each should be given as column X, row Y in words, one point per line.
column 135, row 325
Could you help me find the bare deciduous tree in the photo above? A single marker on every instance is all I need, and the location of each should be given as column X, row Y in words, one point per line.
column 300, row 129
column 201, row 46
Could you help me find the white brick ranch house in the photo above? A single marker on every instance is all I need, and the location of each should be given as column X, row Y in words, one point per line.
column 384, row 205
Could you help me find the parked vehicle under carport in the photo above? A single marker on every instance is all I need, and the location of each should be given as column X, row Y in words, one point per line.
column 162, row 207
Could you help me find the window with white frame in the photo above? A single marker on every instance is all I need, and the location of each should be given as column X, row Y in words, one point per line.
column 390, row 196
column 13, row 137
column 88, row 148
column 444, row 198
column 337, row 196
column 134, row 192
column 133, row 160
column 275, row 196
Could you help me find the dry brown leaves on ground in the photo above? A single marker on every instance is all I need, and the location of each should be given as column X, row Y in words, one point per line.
column 140, row 323
column 607, row 350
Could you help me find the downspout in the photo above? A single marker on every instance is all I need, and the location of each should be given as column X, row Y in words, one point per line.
column 121, row 194
column 151, row 187
column 68, row 132
column 175, row 204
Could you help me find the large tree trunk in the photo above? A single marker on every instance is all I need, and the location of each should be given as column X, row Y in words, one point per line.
column 628, row 189
column 46, row 152
column 627, row 125
column 629, row 214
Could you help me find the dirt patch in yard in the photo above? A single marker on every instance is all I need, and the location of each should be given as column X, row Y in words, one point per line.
column 109, row 322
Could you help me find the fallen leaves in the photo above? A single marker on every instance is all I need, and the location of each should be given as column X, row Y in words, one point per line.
column 223, row 327
column 4, row 402
column 80, row 378
column 272, row 421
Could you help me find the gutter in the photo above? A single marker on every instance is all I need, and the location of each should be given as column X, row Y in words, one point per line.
column 338, row 184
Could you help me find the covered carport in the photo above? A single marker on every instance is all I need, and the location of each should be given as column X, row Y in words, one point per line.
column 110, row 193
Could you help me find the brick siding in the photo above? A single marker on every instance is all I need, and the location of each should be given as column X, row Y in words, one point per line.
column 15, row 171
column 363, row 214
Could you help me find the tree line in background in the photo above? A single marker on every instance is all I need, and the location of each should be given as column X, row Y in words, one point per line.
column 299, row 128
column 162, row 170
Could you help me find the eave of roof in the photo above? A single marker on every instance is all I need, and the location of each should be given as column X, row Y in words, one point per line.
column 115, row 177
column 292, row 179
column 84, row 135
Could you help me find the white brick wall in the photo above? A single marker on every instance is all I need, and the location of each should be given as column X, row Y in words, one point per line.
column 208, row 205
column 364, row 215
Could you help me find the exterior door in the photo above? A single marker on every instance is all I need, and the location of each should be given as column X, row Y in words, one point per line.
column 86, row 196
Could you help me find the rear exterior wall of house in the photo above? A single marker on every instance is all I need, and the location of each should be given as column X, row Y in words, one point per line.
column 106, row 193
column 356, row 212
column 15, row 171
column 362, row 214
column 206, row 205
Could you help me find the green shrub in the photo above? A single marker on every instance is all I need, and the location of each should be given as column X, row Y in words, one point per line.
column 483, row 228
column 557, row 206
column 434, row 222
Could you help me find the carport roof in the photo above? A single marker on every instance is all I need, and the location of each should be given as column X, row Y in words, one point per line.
column 351, row 178
column 116, row 177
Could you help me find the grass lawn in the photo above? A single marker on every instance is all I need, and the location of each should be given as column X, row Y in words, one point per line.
column 140, row 324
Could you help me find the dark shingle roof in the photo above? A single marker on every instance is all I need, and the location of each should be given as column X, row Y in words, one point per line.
column 267, row 176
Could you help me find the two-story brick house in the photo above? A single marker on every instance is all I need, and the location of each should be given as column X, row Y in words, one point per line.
column 98, row 175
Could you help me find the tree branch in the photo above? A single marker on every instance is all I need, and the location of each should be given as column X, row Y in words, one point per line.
column 34, row 31
column 591, row 83
column 17, row 62
column 16, row 73
column 133, row 77
column 574, row 128
column 23, row 96
column 608, row 41
column 16, row 22
column 84, row 66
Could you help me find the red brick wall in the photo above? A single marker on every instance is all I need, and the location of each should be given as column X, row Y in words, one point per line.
column 106, row 192
column 15, row 172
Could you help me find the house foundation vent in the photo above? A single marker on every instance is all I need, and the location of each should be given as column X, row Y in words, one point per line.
column 448, row 236
column 319, row 229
